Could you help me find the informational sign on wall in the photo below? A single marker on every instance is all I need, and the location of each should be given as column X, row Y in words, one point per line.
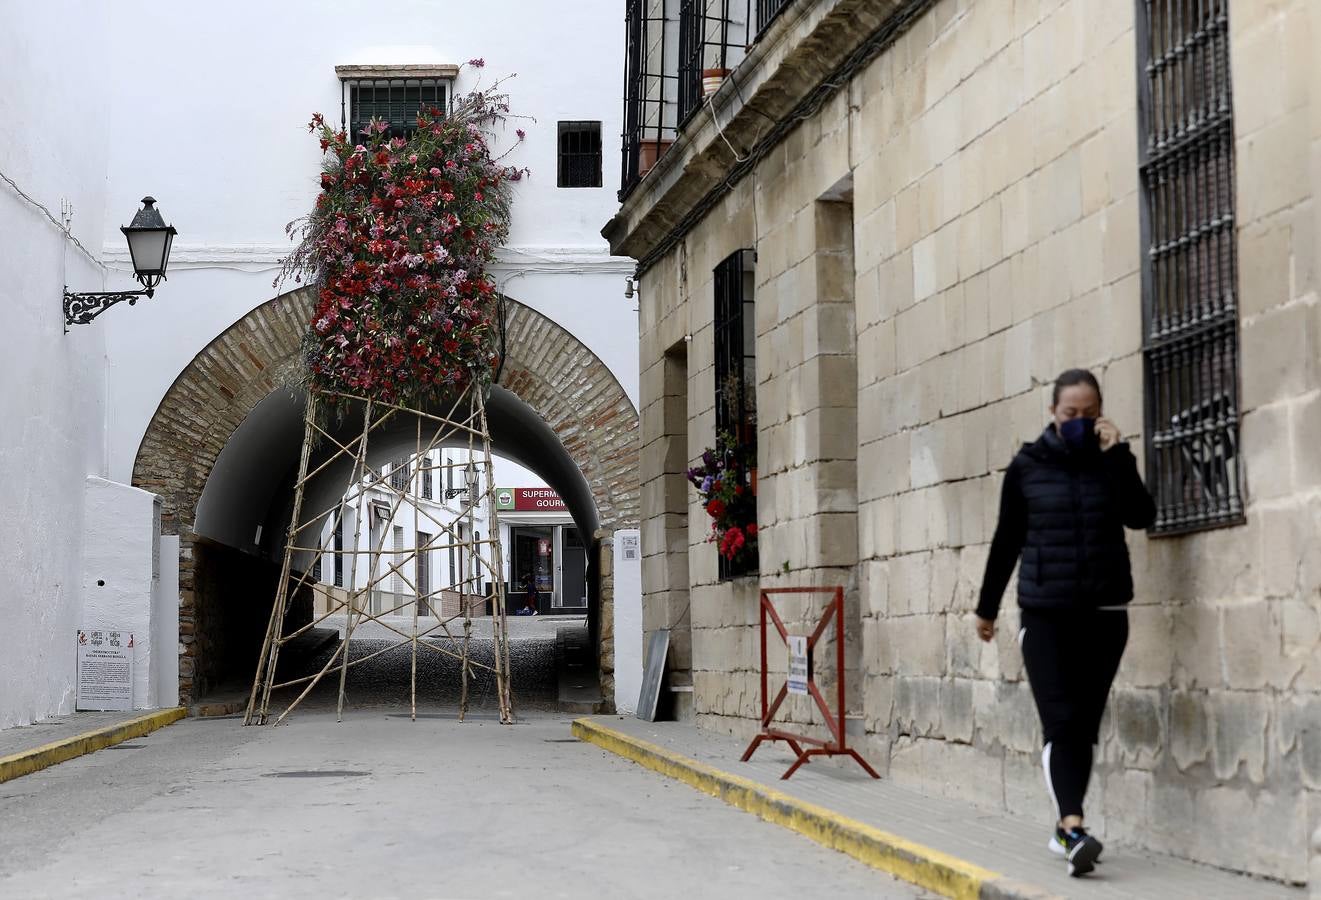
column 797, row 663
column 105, row 669
column 628, row 546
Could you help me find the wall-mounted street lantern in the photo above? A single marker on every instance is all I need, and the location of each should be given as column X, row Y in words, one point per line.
column 149, row 240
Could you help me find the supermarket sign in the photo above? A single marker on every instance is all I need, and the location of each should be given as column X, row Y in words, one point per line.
column 529, row 500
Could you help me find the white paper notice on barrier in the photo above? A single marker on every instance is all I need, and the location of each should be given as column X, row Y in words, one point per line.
column 105, row 669
column 797, row 663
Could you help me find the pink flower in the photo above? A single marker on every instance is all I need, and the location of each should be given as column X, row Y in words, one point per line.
column 477, row 63
column 521, row 133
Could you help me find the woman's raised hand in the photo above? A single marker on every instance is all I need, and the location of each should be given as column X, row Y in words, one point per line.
column 1107, row 433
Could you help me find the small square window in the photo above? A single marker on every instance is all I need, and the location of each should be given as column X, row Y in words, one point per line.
column 579, row 154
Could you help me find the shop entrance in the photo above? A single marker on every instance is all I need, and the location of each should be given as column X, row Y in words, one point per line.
column 555, row 558
column 533, row 555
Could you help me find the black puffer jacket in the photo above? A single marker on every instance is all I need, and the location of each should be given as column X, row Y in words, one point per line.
column 1065, row 510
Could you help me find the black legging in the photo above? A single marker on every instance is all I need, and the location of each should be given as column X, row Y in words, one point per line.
column 1071, row 658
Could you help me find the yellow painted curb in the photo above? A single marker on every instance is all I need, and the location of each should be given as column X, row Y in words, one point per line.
column 924, row 866
column 26, row 762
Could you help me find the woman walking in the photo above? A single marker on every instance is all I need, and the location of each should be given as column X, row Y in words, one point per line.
column 1065, row 503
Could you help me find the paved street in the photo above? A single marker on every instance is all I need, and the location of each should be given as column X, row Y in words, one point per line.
column 378, row 806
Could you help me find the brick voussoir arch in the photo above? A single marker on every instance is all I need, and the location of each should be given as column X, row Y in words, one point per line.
column 545, row 366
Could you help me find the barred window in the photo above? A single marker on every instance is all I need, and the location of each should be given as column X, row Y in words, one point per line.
column 423, row 574
column 736, row 363
column 339, row 550
column 395, row 101
column 399, row 474
column 1189, row 272
column 768, row 11
column 427, row 465
column 579, row 154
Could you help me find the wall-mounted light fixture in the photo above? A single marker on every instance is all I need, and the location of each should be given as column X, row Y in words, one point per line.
column 149, row 240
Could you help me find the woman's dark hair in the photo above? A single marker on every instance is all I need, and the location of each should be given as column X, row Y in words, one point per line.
column 1072, row 377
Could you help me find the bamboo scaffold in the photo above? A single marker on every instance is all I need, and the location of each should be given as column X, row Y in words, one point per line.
column 439, row 630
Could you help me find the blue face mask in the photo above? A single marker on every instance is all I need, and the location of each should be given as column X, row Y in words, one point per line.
column 1079, row 434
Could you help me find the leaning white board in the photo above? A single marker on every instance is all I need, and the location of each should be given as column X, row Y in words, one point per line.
column 652, row 674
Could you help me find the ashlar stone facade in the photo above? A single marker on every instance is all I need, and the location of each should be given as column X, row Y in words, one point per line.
column 936, row 240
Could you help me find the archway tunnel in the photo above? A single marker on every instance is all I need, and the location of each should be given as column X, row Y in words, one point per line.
column 223, row 452
column 246, row 507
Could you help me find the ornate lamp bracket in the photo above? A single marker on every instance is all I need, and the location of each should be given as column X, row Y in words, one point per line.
column 80, row 309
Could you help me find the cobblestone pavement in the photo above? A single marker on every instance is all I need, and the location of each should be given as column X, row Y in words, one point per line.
column 384, row 681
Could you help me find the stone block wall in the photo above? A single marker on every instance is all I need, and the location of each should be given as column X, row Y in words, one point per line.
column 991, row 165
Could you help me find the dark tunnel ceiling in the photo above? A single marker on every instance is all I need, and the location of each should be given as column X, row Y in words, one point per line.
column 251, row 481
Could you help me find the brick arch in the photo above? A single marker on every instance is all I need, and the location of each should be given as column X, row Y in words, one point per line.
column 545, row 366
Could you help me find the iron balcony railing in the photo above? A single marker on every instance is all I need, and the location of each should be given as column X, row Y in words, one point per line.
column 670, row 46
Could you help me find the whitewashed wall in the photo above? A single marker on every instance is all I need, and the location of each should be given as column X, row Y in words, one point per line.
column 118, row 584
column 628, row 621
column 207, row 115
column 231, row 162
column 52, row 385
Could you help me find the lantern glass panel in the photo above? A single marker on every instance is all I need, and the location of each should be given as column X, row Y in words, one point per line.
column 150, row 249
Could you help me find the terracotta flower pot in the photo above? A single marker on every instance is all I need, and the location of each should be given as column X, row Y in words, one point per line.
column 712, row 79
column 650, row 151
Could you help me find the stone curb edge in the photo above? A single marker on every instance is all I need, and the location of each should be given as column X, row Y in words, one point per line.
column 923, row 866
column 28, row 761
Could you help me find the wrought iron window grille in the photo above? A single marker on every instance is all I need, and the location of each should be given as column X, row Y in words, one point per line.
column 670, row 44
column 712, row 38
column 1190, row 268
column 734, row 334
column 395, row 101
column 579, row 154
column 650, row 88
column 768, row 11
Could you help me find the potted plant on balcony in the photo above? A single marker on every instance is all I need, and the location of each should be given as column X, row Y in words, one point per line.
column 649, row 151
column 712, row 79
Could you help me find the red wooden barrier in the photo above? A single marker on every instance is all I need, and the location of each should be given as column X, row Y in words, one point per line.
column 838, row 745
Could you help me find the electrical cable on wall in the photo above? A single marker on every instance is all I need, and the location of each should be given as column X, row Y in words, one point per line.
column 64, row 229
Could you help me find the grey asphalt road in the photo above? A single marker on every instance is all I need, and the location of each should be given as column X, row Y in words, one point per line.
column 380, row 806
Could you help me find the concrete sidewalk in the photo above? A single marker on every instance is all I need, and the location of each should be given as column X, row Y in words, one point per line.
column 30, row 748
column 945, row 846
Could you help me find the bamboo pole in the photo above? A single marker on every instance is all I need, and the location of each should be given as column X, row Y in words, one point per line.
column 459, row 533
column 499, row 615
column 353, row 572
column 270, row 644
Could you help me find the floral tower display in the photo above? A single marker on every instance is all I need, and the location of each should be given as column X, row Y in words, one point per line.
column 406, row 333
